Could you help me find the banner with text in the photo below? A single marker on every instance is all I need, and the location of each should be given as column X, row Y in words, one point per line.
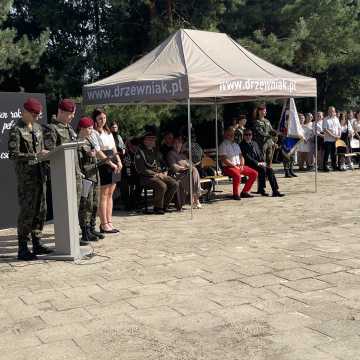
column 10, row 112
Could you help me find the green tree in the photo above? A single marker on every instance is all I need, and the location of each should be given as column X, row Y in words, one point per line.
column 318, row 38
column 17, row 51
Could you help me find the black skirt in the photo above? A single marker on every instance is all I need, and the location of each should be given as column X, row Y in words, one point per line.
column 106, row 172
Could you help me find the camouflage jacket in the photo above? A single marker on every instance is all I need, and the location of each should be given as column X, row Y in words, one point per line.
column 88, row 163
column 58, row 133
column 263, row 132
column 24, row 145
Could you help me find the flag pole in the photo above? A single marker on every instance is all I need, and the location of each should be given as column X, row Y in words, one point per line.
column 190, row 160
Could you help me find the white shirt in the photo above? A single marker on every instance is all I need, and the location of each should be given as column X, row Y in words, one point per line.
column 94, row 138
column 106, row 140
column 306, row 146
column 318, row 126
column 231, row 151
column 347, row 127
column 356, row 125
column 332, row 124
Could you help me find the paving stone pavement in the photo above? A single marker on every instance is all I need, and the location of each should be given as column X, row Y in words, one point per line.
column 259, row 279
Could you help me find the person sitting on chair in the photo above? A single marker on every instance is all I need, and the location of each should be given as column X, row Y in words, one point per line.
column 147, row 163
column 180, row 165
column 234, row 165
column 254, row 159
column 130, row 185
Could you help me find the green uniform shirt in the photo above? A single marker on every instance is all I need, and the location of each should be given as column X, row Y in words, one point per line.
column 24, row 144
column 263, row 132
column 147, row 161
column 88, row 163
column 56, row 134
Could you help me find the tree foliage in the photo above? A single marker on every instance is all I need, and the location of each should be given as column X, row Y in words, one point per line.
column 17, row 51
column 91, row 39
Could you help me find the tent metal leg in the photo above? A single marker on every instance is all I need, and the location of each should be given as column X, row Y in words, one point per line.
column 190, row 159
column 316, row 148
column 216, row 138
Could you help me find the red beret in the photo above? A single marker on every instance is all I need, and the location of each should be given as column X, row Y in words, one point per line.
column 85, row 122
column 67, row 105
column 33, row 105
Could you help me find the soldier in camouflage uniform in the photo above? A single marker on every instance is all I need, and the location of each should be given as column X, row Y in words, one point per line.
column 288, row 163
column 60, row 132
column 88, row 166
column 26, row 146
column 263, row 134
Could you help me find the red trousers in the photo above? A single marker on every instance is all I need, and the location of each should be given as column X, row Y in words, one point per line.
column 235, row 173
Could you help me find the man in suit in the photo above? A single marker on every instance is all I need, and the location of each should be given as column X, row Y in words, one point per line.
column 254, row 159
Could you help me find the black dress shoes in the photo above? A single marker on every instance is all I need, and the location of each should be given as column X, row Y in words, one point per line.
column 277, row 194
column 159, row 211
column 245, row 195
column 236, row 197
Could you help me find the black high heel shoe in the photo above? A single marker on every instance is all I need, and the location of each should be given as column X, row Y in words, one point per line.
column 112, row 231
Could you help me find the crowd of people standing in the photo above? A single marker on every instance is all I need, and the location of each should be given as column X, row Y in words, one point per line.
column 104, row 162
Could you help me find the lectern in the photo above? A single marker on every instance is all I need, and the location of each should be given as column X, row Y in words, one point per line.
column 64, row 198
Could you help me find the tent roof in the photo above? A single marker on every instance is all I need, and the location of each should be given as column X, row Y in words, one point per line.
column 202, row 66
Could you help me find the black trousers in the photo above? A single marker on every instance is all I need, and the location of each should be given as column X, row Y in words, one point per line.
column 263, row 174
column 329, row 149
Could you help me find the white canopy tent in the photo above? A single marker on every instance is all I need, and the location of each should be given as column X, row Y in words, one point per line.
column 198, row 67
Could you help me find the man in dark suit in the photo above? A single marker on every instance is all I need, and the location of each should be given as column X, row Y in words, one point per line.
column 254, row 158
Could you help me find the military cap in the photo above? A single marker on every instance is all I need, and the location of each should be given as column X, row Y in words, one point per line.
column 33, row 105
column 67, row 105
column 85, row 122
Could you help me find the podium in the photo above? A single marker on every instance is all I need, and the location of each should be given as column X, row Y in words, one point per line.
column 64, row 198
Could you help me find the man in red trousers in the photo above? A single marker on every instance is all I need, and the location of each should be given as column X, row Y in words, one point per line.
column 234, row 165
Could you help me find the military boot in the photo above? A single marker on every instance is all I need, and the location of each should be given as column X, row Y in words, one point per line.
column 91, row 236
column 98, row 234
column 291, row 171
column 24, row 253
column 39, row 249
column 84, row 240
column 287, row 173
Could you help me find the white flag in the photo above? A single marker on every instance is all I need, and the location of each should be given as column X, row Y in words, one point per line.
column 294, row 127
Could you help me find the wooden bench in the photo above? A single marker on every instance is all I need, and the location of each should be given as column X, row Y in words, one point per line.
column 352, row 154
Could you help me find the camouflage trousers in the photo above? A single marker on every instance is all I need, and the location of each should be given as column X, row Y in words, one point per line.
column 268, row 151
column 289, row 162
column 32, row 207
column 88, row 207
column 78, row 190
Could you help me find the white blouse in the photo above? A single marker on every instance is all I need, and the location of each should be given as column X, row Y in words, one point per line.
column 107, row 141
